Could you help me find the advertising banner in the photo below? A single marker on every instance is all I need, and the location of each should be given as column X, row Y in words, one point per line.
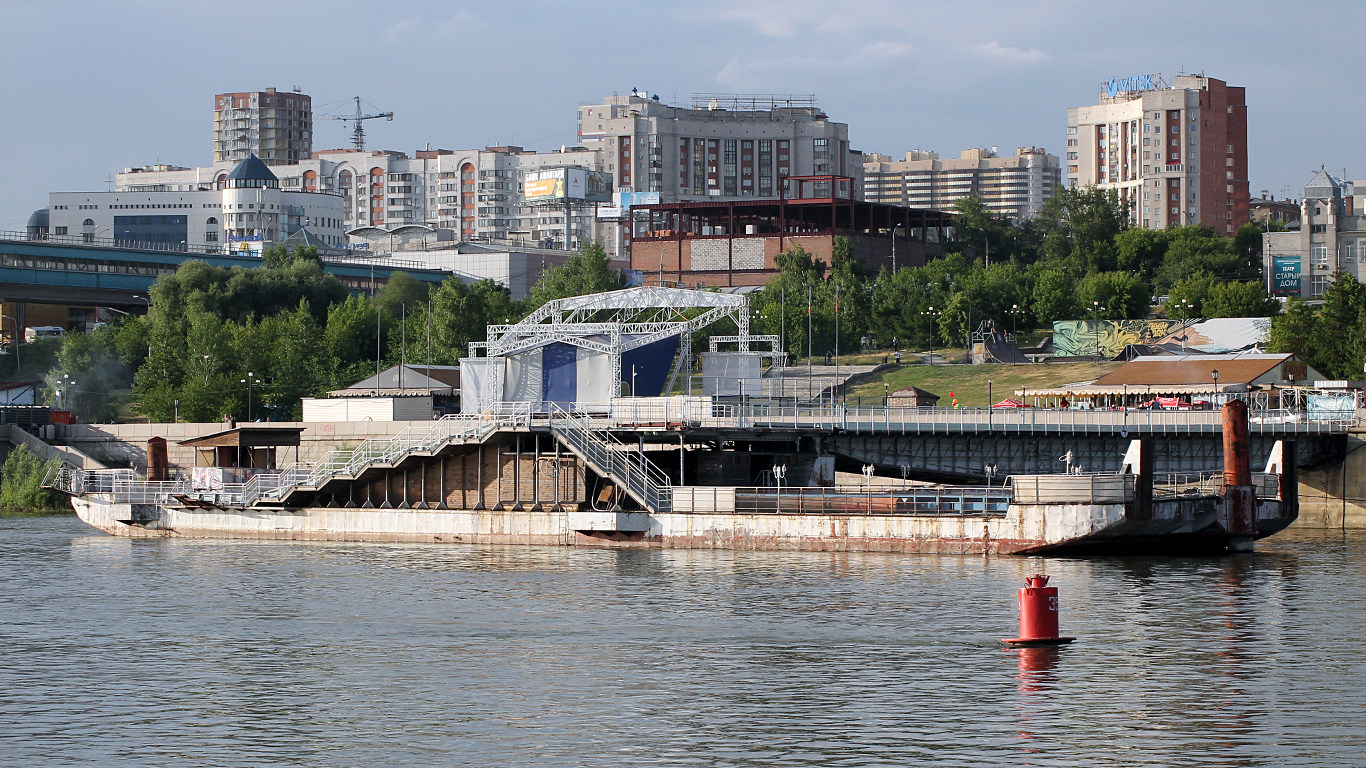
column 1285, row 275
column 544, row 185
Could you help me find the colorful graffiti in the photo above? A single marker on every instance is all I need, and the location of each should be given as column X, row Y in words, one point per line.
column 1086, row 338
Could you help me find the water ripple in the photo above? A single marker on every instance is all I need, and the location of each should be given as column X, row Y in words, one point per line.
column 160, row 653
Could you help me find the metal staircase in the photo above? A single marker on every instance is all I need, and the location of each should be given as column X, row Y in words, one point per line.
column 612, row 459
column 345, row 463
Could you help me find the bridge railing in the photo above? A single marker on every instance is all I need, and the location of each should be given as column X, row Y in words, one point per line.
column 709, row 412
column 196, row 248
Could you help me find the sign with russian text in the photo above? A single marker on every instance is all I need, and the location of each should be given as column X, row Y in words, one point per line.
column 1285, row 274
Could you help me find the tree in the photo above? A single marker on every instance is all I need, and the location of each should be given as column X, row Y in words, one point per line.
column 21, row 483
column 1240, row 299
column 1122, row 295
column 92, row 361
column 1080, row 225
column 588, row 271
column 400, row 290
column 1187, row 298
column 1054, row 294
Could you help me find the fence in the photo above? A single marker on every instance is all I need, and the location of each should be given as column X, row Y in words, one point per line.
column 966, row 501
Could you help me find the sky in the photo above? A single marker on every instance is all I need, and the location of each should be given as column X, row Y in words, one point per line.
column 92, row 86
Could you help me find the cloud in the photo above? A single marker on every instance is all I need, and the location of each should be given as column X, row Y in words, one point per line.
column 404, row 30
column 761, row 73
column 1009, row 53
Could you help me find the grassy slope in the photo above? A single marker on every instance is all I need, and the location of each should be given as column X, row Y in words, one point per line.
column 969, row 382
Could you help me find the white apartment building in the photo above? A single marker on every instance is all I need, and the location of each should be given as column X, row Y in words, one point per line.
column 1013, row 187
column 476, row 193
column 1177, row 153
column 244, row 209
column 723, row 146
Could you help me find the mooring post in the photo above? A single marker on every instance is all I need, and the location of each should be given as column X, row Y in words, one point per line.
column 1240, row 499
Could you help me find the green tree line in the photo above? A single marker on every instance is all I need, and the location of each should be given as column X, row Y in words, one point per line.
column 294, row 328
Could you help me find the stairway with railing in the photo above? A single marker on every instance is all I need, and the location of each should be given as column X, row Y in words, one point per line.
column 611, row 458
column 121, row 486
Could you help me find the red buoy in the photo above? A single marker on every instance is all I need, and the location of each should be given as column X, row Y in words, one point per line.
column 1038, row 614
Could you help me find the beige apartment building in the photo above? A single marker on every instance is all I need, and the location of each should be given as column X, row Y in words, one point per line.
column 1013, row 187
column 1177, row 153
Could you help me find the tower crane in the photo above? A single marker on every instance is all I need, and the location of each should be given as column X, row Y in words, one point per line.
column 358, row 123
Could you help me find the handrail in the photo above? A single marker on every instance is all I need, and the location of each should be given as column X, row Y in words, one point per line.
column 640, row 477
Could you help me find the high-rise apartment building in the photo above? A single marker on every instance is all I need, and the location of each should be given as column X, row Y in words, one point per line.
column 1014, row 187
column 723, row 146
column 1177, row 153
column 275, row 126
column 476, row 193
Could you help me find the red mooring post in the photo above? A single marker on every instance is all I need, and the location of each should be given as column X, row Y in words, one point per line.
column 1239, row 513
column 1038, row 614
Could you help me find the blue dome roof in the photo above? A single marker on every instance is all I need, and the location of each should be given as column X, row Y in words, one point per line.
column 38, row 218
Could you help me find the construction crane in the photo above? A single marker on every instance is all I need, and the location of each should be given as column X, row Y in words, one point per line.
column 358, row 123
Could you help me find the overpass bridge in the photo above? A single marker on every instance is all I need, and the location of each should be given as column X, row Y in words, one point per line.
column 80, row 271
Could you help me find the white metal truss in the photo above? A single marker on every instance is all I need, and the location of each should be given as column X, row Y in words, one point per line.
column 616, row 322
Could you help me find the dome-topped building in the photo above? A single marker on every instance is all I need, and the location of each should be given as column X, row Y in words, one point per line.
column 251, row 173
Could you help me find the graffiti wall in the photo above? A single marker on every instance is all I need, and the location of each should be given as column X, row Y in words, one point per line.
column 1085, row 338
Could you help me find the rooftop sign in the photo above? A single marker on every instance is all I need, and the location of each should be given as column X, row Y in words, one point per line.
column 1117, row 85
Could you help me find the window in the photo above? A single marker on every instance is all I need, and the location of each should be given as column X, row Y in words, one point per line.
column 1318, row 284
column 1318, row 229
column 59, row 230
column 1349, row 251
column 1318, row 255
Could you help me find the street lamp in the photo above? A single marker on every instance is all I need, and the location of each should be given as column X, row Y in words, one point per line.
column 930, row 314
column 990, row 471
column 1214, row 374
column 249, row 381
column 14, row 326
column 63, row 387
column 1096, row 309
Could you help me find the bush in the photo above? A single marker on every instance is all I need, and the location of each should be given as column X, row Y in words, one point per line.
column 21, row 484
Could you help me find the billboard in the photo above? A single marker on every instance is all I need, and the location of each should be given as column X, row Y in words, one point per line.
column 551, row 184
column 1285, row 274
column 622, row 202
column 540, row 186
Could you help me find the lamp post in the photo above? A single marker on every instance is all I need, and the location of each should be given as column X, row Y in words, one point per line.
column 1214, row 374
column 1015, row 313
column 1096, row 309
column 63, row 387
column 930, row 314
column 14, row 326
column 249, row 381
column 990, row 471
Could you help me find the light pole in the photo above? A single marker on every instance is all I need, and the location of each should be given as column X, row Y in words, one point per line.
column 930, row 314
column 990, row 471
column 14, row 327
column 1015, row 313
column 1214, row 374
column 249, row 381
column 63, row 387
column 1096, row 309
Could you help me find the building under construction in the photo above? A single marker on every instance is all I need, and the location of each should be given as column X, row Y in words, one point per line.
column 737, row 242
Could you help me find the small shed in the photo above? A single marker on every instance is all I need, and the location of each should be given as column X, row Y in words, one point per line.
column 912, row 397
column 250, row 446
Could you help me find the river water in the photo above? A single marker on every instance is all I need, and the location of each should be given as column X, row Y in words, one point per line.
column 220, row 653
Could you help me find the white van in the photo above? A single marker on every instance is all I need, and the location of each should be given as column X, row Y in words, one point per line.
column 36, row 332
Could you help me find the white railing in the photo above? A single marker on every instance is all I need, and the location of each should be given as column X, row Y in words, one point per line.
column 707, row 412
column 970, row 501
column 611, row 457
